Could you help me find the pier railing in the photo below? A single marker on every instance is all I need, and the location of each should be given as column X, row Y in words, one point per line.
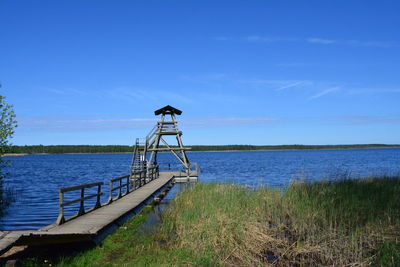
column 182, row 172
column 120, row 181
column 61, row 219
column 123, row 185
column 140, row 178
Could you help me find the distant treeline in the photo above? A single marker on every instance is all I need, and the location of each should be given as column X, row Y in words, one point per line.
column 60, row 149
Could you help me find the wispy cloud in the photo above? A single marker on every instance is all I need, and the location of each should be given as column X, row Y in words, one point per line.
column 294, row 64
column 313, row 40
column 73, row 123
column 374, row 91
column 362, row 120
column 258, row 38
column 222, row 38
column 67, row 92
column 324, row 92
column 125, row 93
column 227, row 121
column 261, row 87
column 321, row 41
column 295, row 84
column 137, row 94
column 351, row 42
column 274, row 84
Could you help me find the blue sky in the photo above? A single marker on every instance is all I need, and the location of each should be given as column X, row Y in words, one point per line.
column 243, row 72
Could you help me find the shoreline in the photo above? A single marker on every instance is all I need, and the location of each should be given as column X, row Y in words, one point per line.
column 197, row 151
column 237, row 218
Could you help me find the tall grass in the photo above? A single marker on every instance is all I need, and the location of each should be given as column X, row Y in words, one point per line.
column 341, row 223
column 330, row 223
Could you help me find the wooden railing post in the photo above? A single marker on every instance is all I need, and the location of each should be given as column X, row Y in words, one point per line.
column 127, row 184
column 120, row 189
column 111, row 192
column 82, row 202
column 61, row 219
column 98, row 204
column 150, row 177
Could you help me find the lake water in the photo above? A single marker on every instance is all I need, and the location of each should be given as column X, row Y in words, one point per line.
column 35, row 179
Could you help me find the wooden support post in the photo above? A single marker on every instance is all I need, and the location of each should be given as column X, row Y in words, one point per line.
column 120, row 189
column 98, row 204
column 82, row 202
column 61, row 219
column 110, row 199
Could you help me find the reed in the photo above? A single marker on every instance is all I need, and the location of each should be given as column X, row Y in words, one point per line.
column 347, row 222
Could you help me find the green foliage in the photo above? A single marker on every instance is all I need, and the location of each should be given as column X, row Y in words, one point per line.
column 60, row 149
column 7, row 124
column 389, row 254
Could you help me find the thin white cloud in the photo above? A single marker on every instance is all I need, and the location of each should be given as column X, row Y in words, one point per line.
column 294, row 64
column 320, row 41
column 65, row 123
column 324, row 92
column 370, row 43
column 67, row 91
column 277, row 85
column 222, row 38
column 259, row 87
column 313, row 40
column 367, row 119
column 264, row 39
column 73, row 123
column 357, row 43
column 227, row 121
column 127, row 93
column 374, row 91
column 295, row 84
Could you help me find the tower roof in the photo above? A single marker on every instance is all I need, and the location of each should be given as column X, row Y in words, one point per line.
column 168, row 110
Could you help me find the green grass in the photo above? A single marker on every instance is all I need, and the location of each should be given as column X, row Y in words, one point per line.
column 343, row 223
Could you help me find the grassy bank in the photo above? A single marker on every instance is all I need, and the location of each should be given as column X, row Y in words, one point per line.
column 344, row 223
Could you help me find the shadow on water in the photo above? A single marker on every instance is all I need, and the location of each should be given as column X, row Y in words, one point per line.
column 43, row 255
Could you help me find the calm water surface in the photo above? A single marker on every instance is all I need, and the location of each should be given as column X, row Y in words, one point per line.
column 35, row 179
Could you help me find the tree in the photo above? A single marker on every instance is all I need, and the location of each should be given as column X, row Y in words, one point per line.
column 7, row 124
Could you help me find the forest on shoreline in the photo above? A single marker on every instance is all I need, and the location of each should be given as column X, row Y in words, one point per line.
column 62, row 149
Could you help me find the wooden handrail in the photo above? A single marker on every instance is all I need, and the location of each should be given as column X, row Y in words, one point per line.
column 76, row 187
column 61, row 219
column 119, row 187
column 133, row 181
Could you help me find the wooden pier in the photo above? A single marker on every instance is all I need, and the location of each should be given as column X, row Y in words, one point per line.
column 94, row 225
column 144, row 183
